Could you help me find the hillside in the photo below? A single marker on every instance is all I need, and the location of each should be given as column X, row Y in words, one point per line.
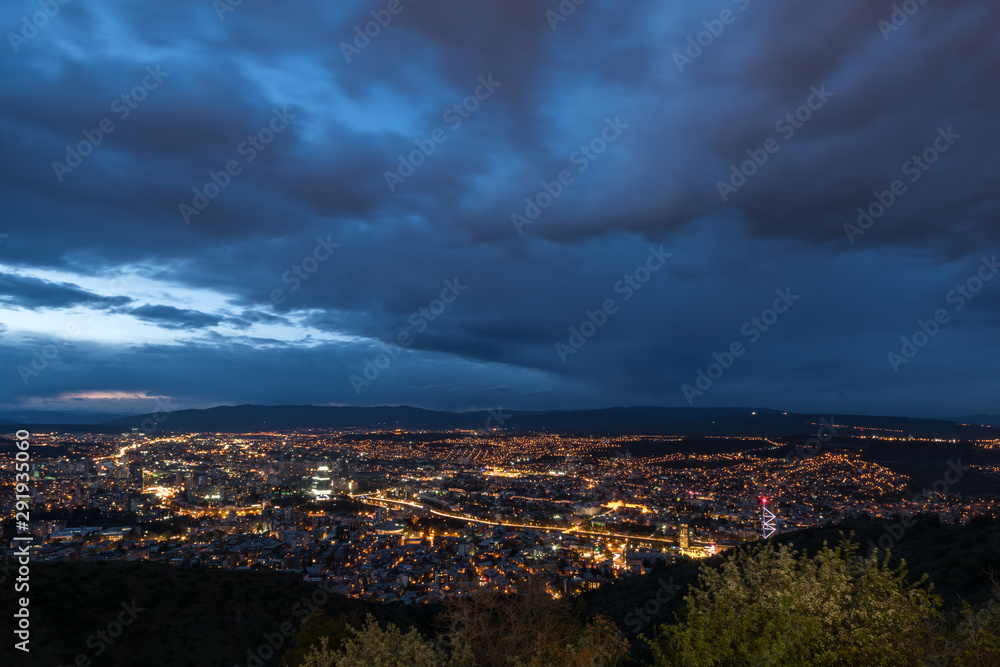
column 733, row 422
column 189, row 617
column 649, row 420
column 957, row 559
column 211, row 618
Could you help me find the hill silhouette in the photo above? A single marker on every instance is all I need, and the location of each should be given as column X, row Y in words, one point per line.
column 732, row 422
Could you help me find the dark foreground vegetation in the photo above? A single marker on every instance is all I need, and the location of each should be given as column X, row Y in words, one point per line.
column 815, row 597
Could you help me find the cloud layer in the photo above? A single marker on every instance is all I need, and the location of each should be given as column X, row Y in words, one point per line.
column 336, row 182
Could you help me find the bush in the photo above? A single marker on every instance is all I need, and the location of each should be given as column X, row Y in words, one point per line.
column 770, row 606
column 974, row 639
column 317, row 627
column 387, row 648
column 530, row 629
column 501, row 629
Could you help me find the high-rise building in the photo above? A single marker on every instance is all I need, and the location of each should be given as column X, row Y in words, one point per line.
column 134, row 474
column 321, row 487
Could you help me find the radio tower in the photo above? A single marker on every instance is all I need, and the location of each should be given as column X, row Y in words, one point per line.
column 768, row 518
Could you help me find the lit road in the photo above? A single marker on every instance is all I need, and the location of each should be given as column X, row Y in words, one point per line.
column 368, row 499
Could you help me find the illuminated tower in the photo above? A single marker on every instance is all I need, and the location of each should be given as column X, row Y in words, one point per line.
column 767, row 517
column 682, row 537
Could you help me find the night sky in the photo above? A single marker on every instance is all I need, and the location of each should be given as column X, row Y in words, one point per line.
column 219, row 203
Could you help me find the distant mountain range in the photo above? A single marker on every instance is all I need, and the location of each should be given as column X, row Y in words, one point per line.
column 57, row 417
column 763, row 422
column 991, row 420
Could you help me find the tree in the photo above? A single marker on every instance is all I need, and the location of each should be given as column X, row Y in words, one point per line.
column 318, row 627
column 769, row 606
column 531, row 629
column 371, row 645
column 501, row 628
column 974, row 640
column 600, row 643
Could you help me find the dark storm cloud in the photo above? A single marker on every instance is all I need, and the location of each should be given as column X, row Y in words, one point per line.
column 322, row 180
column 34, row 293
column 249, row 318
column 175, row 318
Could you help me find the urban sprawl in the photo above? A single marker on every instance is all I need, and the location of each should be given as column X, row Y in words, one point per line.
column 415, row 517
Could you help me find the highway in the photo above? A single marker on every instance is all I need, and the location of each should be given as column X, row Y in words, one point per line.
column 368, row 499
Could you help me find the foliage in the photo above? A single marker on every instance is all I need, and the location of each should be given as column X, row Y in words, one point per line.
column 319, row 627
column 371, row 645
column 768, row 606
column 501, row 629
column 974, row 640
column 531, row 629
column 600, row 643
